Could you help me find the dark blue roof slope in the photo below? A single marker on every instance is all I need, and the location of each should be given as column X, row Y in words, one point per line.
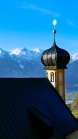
column 17, row 95
column 41, row 116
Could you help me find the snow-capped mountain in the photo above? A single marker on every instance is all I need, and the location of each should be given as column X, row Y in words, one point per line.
column 38, row 50
column 74, row 57
column 24, row 53
column 23, row 62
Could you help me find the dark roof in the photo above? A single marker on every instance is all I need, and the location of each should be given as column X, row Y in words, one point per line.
column 18, row 96
column 55, row 56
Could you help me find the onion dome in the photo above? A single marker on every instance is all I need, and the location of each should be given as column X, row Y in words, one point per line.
column 55, row 57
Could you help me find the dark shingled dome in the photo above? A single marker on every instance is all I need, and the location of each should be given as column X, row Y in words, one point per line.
column 55, row 56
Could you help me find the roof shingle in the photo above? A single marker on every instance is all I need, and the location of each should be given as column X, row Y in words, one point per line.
column 17, row 95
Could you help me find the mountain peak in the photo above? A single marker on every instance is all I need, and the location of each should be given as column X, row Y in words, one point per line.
column 18, row 51
column 36, row 50
column 3, row 52
column 75, row 57
column 24, row 51
column 15, row 51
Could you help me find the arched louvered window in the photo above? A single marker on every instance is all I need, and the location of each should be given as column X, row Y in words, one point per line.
column 52, row 77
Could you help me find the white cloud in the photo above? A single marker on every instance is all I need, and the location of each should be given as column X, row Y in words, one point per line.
column 45, row 11
column 71, row 23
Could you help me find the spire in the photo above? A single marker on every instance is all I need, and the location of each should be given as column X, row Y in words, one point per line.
column 54, row 31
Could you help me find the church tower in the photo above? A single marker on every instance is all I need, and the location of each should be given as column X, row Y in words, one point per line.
column 55, row 60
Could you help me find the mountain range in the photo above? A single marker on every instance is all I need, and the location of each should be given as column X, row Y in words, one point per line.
column 23, row 62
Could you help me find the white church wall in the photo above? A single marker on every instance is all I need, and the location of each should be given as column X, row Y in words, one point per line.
column 74, row 135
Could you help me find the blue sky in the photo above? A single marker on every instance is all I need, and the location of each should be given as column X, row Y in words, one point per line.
column 28, row 24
